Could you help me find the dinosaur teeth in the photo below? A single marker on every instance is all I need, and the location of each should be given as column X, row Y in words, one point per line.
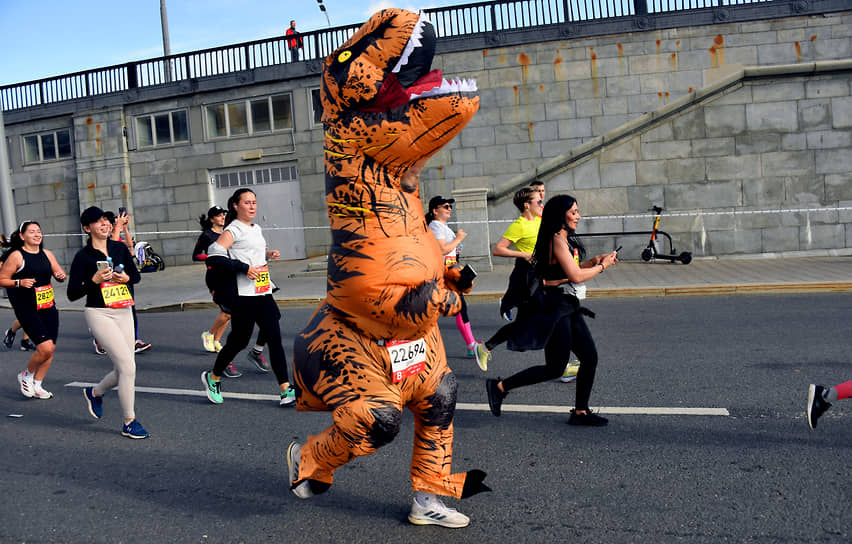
column 447, row 87
column 413, row 42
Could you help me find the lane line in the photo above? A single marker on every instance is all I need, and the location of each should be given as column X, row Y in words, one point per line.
column 474, row 407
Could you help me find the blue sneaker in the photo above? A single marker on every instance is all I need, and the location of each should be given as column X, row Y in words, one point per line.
column 95, row 404
column 134, row 429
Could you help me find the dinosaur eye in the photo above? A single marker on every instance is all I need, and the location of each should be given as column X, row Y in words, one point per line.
column 343, row 57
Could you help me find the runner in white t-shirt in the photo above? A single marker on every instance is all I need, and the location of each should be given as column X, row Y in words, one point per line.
column 440, row 210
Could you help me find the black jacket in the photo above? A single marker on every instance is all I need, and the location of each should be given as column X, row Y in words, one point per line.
column 84, row 266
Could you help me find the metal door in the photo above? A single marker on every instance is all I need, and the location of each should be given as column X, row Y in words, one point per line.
column 279, row 203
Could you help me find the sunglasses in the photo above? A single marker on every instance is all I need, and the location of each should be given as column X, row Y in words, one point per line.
column 539, row 202
column 446, row 206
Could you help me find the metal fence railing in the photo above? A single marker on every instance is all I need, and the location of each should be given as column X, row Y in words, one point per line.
column 451, row 21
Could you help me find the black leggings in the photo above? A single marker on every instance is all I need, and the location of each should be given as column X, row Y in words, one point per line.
column 245, row 313
column 569, row 334
column 463, row 311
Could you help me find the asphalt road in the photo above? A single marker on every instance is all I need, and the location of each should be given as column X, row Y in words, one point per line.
column 217, row 473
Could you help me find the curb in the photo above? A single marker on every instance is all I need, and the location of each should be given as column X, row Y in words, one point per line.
column 615, row 292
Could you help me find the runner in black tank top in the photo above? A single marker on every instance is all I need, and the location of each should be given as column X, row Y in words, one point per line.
column 26, row 274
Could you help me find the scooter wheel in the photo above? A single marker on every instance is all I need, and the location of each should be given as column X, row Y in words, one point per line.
column 686, row 257
column 647, row 254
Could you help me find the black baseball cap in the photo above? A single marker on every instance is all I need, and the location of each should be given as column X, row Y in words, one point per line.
column 440, row 201
column 214, row 211
column 90, row 215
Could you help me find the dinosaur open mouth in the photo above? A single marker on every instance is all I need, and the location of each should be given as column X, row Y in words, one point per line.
column 411, row 78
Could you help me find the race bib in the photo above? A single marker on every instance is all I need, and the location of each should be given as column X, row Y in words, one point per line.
column 261, row 282
column 44, row 297
column 408, row 357
column 450, row 260
column 116, row 295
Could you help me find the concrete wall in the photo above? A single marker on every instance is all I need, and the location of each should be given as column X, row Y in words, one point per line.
column 539, row 100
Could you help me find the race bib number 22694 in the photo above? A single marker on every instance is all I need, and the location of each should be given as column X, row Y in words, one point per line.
column 407, row 357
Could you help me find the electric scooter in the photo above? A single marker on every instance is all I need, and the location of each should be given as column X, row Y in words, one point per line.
column 650, row 252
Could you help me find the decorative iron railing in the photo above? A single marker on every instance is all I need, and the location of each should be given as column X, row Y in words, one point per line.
column 451, row 21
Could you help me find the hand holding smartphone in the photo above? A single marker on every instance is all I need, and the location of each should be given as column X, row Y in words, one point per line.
column 467, row 275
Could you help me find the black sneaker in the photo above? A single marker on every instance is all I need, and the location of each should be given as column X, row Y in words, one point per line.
column 9, row 338
column 817, row 404
column 588, row 419
column 27, row 345
column 495, row 396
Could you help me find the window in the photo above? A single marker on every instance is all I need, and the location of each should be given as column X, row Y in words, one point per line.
column 316, row 106
column 47, row 146
column 251, row 116
column 165, row 128
column 256, row 176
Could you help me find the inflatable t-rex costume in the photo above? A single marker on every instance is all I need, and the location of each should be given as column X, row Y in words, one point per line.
column 383, row 113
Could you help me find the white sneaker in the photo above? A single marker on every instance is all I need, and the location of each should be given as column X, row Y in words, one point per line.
column 436, row 513
column 217, row 346
column 40, row 393
column 26, row 383
column 207, row 339
column 294, row 457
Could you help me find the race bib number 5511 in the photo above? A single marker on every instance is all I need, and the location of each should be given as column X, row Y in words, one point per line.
column 408, row 357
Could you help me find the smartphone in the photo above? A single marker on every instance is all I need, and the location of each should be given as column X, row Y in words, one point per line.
column 102, row 265
column 122, row 211
column 467, row 276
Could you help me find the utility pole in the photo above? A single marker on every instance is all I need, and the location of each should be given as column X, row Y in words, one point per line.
column 167, row 50
column 7, row 198
column 322, row 9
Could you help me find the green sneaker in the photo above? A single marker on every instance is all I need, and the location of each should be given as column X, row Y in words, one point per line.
column 211, row 388
column 288, row 398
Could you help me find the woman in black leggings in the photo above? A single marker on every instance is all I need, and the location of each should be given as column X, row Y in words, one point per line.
column 554, row 318
column 241, row 250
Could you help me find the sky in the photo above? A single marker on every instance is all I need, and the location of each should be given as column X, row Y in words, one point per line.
column 46, row 38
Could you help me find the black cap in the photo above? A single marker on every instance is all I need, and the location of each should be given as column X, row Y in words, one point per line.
column 440, row 201
column 90, row 215
column 214, row 211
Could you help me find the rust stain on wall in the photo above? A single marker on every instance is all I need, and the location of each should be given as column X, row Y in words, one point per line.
column 594, row 57
column 515, row 90
column 502, row 58
column 620, row 58
column 98, row 139
column 530, row 128
column 673, row 61
column 524, row 61
column 813, row 38
column 717, row 51
column 485, row 52
column 689, row 90
column 798, row 51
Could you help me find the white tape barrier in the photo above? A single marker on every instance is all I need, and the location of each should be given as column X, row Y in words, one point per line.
column 500, row 221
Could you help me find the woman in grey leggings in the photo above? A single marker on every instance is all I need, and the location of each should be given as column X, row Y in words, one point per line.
column 101, row 272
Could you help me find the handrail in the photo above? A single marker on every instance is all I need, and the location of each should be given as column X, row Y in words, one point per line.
column 451, row 21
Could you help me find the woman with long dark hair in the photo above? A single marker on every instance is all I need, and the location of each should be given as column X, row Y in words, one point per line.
column 240, row 253
column 26, row 273
column 554, row 320
column 213, row 225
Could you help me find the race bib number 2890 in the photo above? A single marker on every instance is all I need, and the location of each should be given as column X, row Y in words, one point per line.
column 407, row 357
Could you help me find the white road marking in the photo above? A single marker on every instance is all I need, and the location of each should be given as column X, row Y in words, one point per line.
column 530, row 408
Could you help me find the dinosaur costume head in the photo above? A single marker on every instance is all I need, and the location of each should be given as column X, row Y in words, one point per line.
column 385, row 112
